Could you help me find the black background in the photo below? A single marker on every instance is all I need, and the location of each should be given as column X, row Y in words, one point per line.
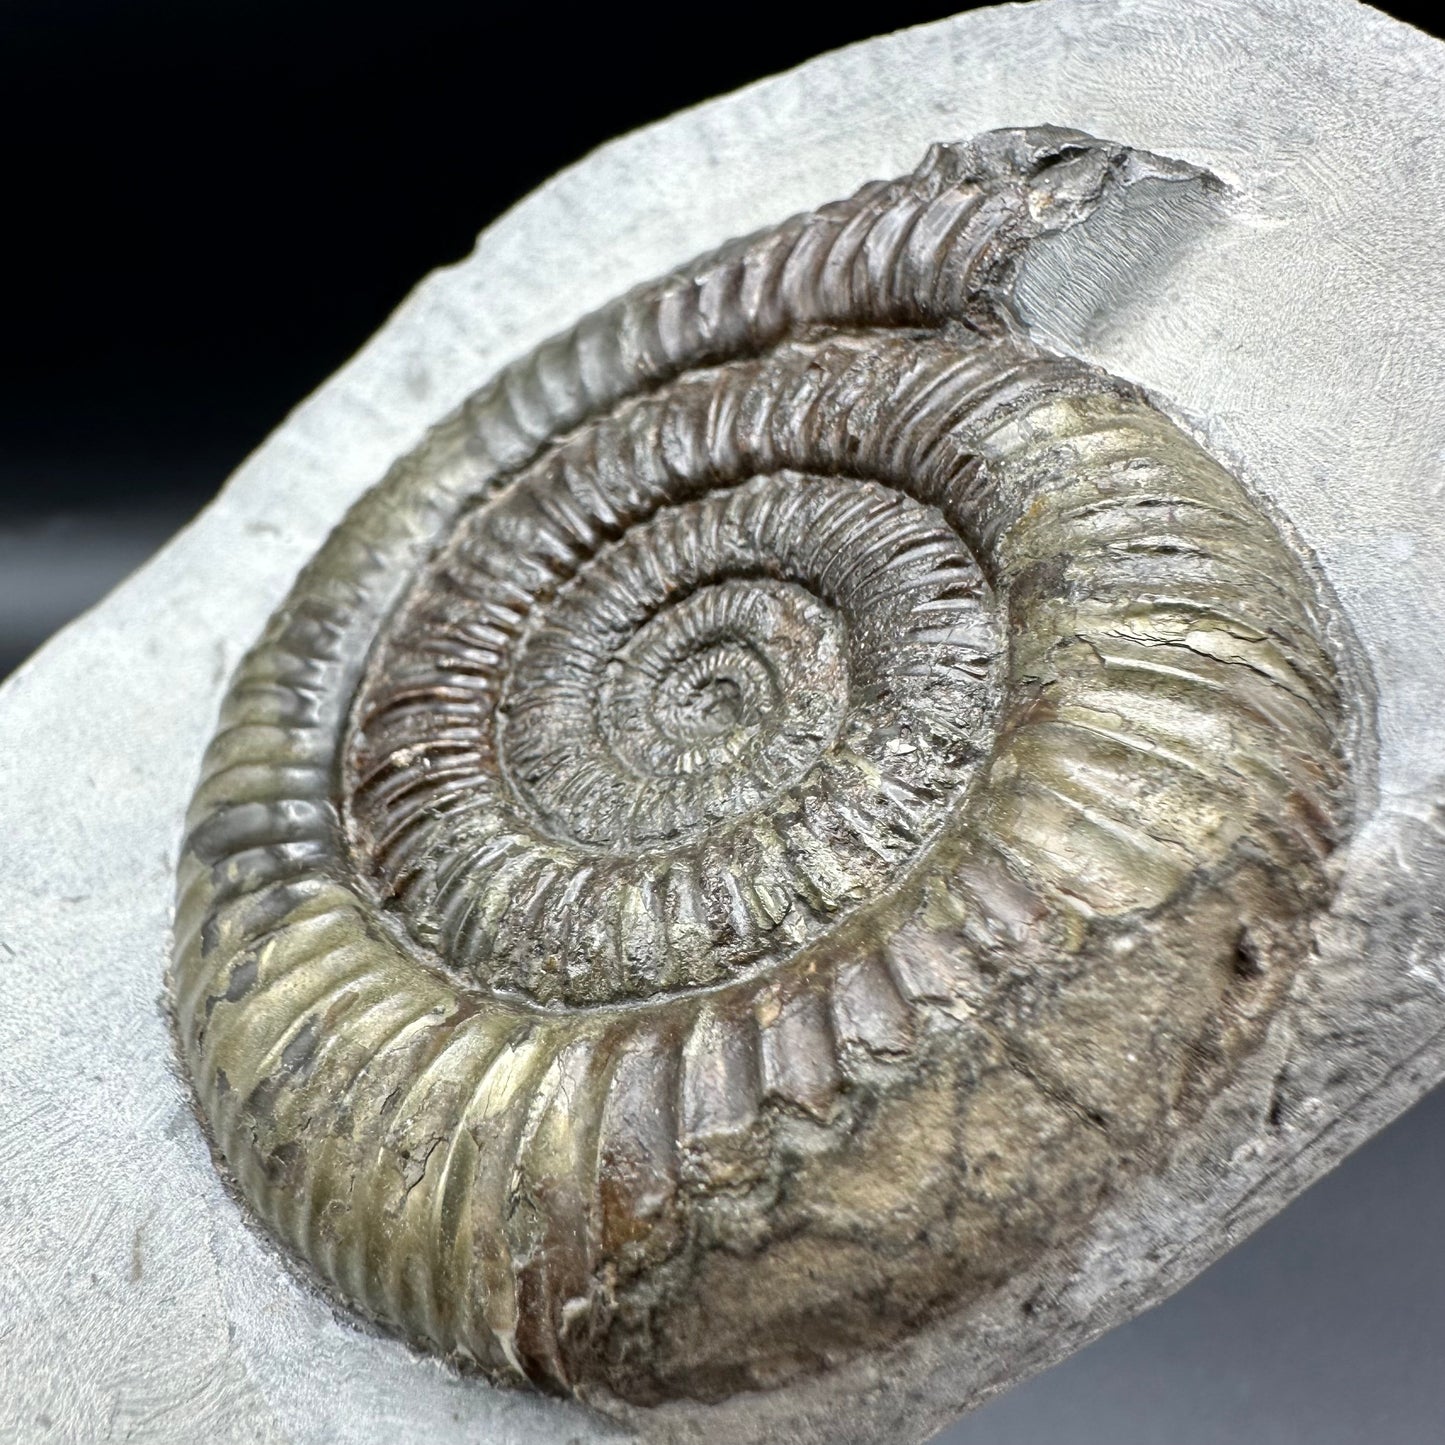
column 212, row 203
column 220, row 200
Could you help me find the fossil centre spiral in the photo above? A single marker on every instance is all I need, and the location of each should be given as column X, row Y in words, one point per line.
column 766, row 820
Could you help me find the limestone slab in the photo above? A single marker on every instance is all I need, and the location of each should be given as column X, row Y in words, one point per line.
column 1297, row 327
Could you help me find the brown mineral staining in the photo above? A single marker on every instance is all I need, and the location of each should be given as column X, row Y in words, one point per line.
column 776, row 809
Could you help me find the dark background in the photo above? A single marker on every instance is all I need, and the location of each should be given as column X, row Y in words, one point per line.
column 220, row 200
column 212, row 203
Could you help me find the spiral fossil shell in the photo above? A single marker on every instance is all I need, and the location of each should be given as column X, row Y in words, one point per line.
column 747, row 836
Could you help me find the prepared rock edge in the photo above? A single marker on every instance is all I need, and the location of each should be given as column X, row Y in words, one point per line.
column 768, row 819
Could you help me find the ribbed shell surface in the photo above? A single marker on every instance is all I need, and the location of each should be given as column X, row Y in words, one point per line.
column 777, row 808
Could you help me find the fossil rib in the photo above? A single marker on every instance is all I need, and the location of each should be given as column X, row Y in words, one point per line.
column 777, row 807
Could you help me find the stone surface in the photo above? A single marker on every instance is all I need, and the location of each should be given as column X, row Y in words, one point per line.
column 1297, row 325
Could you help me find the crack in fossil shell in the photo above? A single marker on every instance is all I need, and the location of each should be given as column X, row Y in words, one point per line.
column 770, row 815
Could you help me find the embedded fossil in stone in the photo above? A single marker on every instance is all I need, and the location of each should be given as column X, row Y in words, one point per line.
column 746, row 836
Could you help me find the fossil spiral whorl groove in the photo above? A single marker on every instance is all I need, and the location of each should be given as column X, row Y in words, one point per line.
column 723, row 727
column 776, row 809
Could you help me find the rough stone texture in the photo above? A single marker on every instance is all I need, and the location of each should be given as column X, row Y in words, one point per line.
column 1297, row 325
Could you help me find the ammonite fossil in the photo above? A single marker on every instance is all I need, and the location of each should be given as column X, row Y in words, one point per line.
column 747, row 836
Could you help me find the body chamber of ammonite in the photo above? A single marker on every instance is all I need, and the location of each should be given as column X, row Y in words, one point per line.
column 776, row 810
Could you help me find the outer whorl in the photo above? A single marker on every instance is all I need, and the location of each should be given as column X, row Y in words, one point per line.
column 772, row 813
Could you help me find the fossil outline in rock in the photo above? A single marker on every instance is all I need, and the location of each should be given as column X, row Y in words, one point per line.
column 921, row 939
